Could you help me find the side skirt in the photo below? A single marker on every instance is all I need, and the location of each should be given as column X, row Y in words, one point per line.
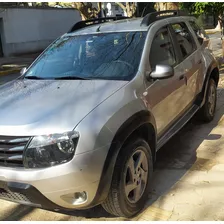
column 177, row 126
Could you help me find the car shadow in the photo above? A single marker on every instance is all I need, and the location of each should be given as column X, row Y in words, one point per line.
column 179, row 155
column 17, row 213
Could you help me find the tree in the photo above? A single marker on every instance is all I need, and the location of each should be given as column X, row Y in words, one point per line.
column 187, row 6
column 128, row 7
column 167, row 6
column 214, row 8
column 44, row 4
column 87, row 9
column 145, row 7
column 14, row 4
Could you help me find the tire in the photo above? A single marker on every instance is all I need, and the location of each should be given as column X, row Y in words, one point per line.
column 119, row 202
column 207, row 112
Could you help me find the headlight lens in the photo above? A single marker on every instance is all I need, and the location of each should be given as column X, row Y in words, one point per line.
column 50, row 150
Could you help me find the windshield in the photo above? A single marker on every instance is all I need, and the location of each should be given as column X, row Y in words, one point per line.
column 113, row 56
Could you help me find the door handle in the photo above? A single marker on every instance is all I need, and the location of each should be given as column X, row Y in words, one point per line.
column 181, row 77
column 200, row 61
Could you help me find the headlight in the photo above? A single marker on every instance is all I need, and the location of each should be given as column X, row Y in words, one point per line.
column 50, row 150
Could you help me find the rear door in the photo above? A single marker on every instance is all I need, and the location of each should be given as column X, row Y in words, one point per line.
column 191, row 60
column 204, row 44
column 200, row 34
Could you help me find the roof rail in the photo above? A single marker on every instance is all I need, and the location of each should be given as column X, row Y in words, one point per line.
column 90, row 22
column 154, row 16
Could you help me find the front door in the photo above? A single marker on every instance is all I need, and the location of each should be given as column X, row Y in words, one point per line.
column 166, row 97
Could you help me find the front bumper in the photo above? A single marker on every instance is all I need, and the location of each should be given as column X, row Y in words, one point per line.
column 25, row 194
column 54, row 187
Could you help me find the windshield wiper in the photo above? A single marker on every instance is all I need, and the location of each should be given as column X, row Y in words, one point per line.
column 33, row 77
column 57, row 78
column 71, row 78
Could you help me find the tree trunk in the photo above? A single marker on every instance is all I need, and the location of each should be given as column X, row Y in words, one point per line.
column 86, row 9
column 129, row 8
column 158, row 6
column 100, row 8
column 44, row 4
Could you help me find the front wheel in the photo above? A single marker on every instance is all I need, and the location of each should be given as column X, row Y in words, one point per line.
column 207, row 112
column 131, row 180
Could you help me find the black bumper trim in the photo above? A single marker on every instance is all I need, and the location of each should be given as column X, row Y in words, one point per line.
column 25, row 194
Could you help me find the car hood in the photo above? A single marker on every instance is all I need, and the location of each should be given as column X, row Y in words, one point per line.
column 35, row 107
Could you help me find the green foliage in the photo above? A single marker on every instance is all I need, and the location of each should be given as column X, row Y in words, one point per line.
column 216, row 8
column 13, row 4
column 200, row 21
column 187, row 6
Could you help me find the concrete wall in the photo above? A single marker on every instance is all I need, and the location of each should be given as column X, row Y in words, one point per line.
column 25, row 30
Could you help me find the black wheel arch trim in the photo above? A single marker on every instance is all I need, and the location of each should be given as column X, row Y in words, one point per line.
column 36, row 198
column 201, row 98
column 125, row 130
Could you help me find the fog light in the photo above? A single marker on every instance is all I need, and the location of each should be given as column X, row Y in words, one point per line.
column 75, row 198
column 80, row 197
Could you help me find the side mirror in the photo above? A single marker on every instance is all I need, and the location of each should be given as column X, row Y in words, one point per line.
column 200, row 40
column 23, row 70
column 162, row 72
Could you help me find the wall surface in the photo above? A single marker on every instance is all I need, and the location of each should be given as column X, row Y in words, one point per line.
column 25, row 30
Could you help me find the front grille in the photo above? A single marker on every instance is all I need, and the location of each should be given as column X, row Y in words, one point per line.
column 11, row 150
column 13, row 196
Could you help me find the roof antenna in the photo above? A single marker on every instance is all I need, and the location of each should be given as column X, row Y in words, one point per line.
column 98, row 29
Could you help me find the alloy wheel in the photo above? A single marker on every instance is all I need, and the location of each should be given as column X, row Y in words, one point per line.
column 136, row 175
column 211, row 99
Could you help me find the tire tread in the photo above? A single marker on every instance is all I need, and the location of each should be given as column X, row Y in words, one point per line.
column 111, row 204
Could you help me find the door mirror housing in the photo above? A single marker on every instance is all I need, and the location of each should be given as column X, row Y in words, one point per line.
column 200, row 40
column 162, row 72
column 23, row 70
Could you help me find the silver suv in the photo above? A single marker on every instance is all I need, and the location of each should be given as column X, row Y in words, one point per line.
column 83, row 123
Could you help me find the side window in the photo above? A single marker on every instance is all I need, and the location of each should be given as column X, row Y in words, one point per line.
column 184, row 38
column 162, row 51
column 200, row 33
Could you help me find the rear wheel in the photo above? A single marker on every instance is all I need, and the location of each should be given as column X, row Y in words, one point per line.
column 131, row 180
column 207, row 112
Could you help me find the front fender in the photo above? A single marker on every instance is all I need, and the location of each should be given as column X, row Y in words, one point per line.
column 213, row 65
column 108, row 126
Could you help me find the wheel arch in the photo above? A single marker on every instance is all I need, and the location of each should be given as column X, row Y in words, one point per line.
column 212, row 72
column 142, row 124
column 215, row 75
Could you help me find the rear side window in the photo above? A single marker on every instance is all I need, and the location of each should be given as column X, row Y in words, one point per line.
column 162, row 51
column 184, row 39
column 200, row 33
